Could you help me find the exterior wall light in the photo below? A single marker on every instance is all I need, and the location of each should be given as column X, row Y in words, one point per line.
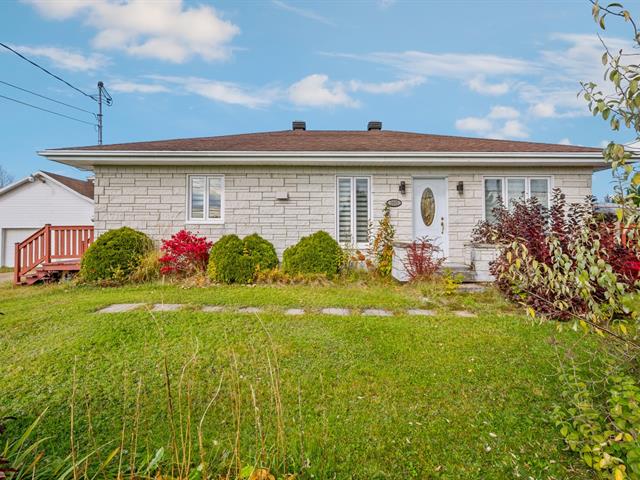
column 403, row 187
column 460, row 187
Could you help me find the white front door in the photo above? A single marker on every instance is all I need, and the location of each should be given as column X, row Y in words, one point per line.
column 430, row 218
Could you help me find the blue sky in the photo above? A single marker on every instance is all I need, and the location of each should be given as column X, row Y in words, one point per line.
column 502, row 69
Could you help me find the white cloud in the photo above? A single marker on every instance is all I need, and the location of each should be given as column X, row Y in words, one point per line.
column 503, row 112
column 480, row 126
column 63, row 58
column 318, row 91
column 564, row 141
column 480, row 85
column 447, row 65
column 492, row 125
column 223, row 92
column 385, row 87
column 135, row 87
column 303, row 12
column 544, row 110
column 165, row 30
column 512, row 129
column 384, row 4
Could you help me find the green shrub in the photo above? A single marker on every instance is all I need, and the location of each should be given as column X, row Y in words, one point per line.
column 262, row 252
column 232, row 260
column 228, row 261
column 115, row 255
column 317, row 253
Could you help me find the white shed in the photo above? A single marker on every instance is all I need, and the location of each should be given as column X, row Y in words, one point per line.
column 44, row 197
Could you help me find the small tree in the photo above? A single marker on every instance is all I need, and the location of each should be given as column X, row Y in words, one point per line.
column 619, row 104
column 381, row 241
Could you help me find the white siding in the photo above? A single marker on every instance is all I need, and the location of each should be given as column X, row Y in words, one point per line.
column 32, row 205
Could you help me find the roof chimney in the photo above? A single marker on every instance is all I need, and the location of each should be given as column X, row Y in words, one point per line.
column 298, row 125
column 375, row 125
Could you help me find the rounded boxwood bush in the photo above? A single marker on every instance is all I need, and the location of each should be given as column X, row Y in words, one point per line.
column 317, row 253
column 115, row 255
column 261, row 251
column 228, row 261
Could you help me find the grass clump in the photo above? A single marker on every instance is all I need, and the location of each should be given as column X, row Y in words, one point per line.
column 318, row 253
column 115, row 255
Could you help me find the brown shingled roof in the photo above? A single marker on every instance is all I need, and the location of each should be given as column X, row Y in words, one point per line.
column 339, row 141
column 83, row 187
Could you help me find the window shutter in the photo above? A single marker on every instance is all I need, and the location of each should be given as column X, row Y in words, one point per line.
column 344, row 210
column 362, row 210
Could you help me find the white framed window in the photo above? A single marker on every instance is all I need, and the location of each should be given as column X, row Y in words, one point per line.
column 205, row 198
column 511, row 189
column 353, row 210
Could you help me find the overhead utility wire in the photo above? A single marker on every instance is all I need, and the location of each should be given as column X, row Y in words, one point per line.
column 47, row 98
column 48, row 111
column 93, row 97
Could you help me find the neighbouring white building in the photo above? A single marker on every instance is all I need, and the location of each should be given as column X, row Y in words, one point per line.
column 44, row 197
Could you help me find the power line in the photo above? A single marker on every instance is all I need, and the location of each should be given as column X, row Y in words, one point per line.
column 46, row 110
column 92, row 97
column 46, row 98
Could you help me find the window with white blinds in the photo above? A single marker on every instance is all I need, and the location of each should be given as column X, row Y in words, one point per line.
column 205, row 198
column 354, row 209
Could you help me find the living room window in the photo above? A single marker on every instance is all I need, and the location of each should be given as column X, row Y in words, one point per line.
column 205, row 198
column 512, row 189
column 354, row 210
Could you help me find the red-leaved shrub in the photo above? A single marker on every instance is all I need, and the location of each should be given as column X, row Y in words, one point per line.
column 562, row 261
column 184, row 253
column 423, row 259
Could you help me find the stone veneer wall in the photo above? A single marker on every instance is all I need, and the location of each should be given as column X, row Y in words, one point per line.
column 153, row 199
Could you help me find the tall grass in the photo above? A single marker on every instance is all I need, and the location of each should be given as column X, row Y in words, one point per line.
column 188, row 453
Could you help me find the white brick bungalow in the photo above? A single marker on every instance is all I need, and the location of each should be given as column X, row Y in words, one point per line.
column 287, row 184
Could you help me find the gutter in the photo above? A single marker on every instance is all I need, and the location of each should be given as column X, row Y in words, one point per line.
column 87, row 159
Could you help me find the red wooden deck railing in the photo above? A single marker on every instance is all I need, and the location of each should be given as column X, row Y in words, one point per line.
column 51, row 244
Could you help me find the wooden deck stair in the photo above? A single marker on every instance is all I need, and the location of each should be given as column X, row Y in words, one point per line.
column 50, row 253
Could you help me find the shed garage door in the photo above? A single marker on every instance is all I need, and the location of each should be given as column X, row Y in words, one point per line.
column 9, row 237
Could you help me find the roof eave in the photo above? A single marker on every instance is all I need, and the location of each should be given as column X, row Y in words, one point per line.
column 87, row 159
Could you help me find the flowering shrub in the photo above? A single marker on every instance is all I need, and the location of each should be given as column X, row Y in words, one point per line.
column 184, row 253
column 423, row 259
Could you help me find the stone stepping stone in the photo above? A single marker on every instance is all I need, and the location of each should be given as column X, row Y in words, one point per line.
column 294, row 311
column 120, row 307
column 420, row 312
column 166, row 307
column 342, row 312
column 376, row 312
column 472, row 288
column 250, row 310
column 212, row 308
column 464, row 314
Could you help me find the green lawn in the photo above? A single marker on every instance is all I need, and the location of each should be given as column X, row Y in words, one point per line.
column 335, row 397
